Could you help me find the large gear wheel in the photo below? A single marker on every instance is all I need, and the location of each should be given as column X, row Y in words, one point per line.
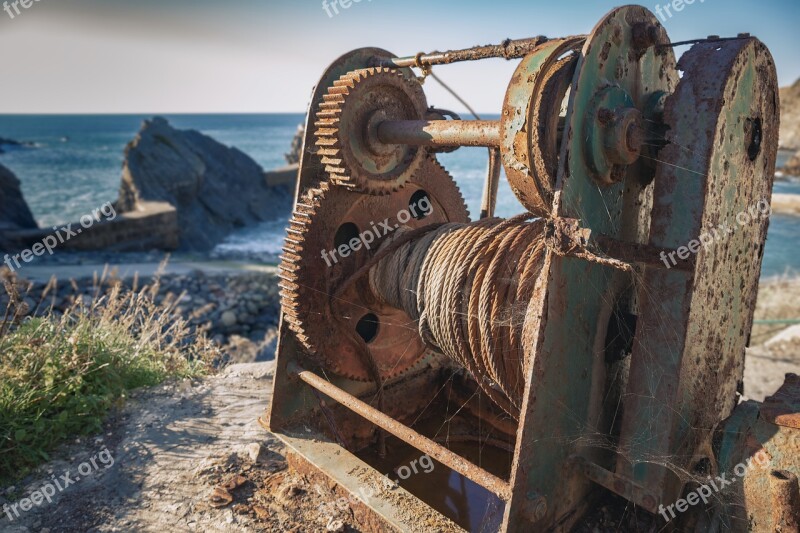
column 334, row 330
column 347, row 123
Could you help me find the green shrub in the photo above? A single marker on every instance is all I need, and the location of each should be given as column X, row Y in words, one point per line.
column 60, row 375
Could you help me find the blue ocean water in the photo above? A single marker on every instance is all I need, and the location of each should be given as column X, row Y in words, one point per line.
column 75, row 166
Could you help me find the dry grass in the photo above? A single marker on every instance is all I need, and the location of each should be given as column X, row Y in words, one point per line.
column 60, row 375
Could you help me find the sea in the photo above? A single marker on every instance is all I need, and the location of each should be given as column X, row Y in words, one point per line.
column 73, row 165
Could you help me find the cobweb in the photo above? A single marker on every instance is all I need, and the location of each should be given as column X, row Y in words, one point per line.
column 587, row 435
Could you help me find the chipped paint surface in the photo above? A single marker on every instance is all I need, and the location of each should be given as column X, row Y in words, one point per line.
column 645, row 434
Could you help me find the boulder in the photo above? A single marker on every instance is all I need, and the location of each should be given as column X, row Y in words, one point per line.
column 215, row 189
column 792, row 166
column 790, row 117
column 14, row 211
column 293, row 157
column 11, row 144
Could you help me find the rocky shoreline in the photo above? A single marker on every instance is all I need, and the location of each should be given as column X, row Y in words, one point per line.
column 179, row 190
column 238, row 311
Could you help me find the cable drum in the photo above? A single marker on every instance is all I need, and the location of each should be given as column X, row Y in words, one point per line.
column 468, row 287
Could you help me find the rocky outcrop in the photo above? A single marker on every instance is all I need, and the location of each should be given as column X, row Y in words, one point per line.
column 790, row 117
column 214, row 189
column 14, row 211
column 792, row 166
column 11, row 144
column 293, row 157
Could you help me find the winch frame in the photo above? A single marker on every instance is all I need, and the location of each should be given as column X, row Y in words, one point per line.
column 618, row 207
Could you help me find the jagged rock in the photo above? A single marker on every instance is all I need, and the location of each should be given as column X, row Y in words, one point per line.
column 14, row 211
column 214, row 188
column 11, row 143
column 293, row 157
column 792, row 166
column 790, row 117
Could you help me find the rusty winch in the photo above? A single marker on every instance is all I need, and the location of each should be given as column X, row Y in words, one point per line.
column 591, row 347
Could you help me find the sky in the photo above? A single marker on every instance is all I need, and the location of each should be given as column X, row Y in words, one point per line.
column 253, row 56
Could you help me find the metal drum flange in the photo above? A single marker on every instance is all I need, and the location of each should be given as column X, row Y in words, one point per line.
column 626, row 65
column 530, row 122
column 327, row 242
column 347, row 123
column 614, row 134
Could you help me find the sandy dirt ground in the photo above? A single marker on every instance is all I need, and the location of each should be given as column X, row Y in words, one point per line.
column 173, row 445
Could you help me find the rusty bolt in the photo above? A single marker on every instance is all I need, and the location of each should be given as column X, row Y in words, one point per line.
column 785, row 501
column 624, row 136
column 536, row 509
column 605, row 116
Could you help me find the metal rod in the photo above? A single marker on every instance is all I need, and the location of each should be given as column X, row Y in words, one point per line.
column 441, row 132
column 424, row 444
column 508, row 49
column 489, row 200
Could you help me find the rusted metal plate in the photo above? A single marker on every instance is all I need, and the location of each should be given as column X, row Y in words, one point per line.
column 783, row 407
column 566, row 337
column 345, row 475
column 688, row 357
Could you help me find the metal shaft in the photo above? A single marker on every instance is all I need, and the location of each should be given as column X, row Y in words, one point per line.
column 424, row 444
column 489, row 200
column 508, row 49
column 441, row 132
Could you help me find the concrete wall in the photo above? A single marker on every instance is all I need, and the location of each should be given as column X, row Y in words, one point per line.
column 154, row 226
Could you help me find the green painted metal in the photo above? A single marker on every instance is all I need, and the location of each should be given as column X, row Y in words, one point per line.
column 566, row 380
column 603, row 135
column 693, row 328
column 746, row 438
column 518, row 122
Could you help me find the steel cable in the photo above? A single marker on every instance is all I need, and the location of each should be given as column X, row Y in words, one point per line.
column 468, row 286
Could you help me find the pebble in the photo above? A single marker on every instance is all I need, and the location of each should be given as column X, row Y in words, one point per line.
column 254, row 452
column 228, row 319
column 221, row 304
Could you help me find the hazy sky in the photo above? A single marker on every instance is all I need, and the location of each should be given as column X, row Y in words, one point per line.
column 172, row 56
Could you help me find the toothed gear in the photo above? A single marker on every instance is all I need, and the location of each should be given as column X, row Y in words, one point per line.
column 347, row 120
column 325, row 218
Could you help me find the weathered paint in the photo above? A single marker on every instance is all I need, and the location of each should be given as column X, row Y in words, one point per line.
column 566, row 377
column 688, row 359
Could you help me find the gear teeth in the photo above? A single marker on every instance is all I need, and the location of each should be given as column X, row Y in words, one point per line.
column 328, row 131
column 326, row 141
column 432, row 160
column 297, row 272
column 333, row 98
